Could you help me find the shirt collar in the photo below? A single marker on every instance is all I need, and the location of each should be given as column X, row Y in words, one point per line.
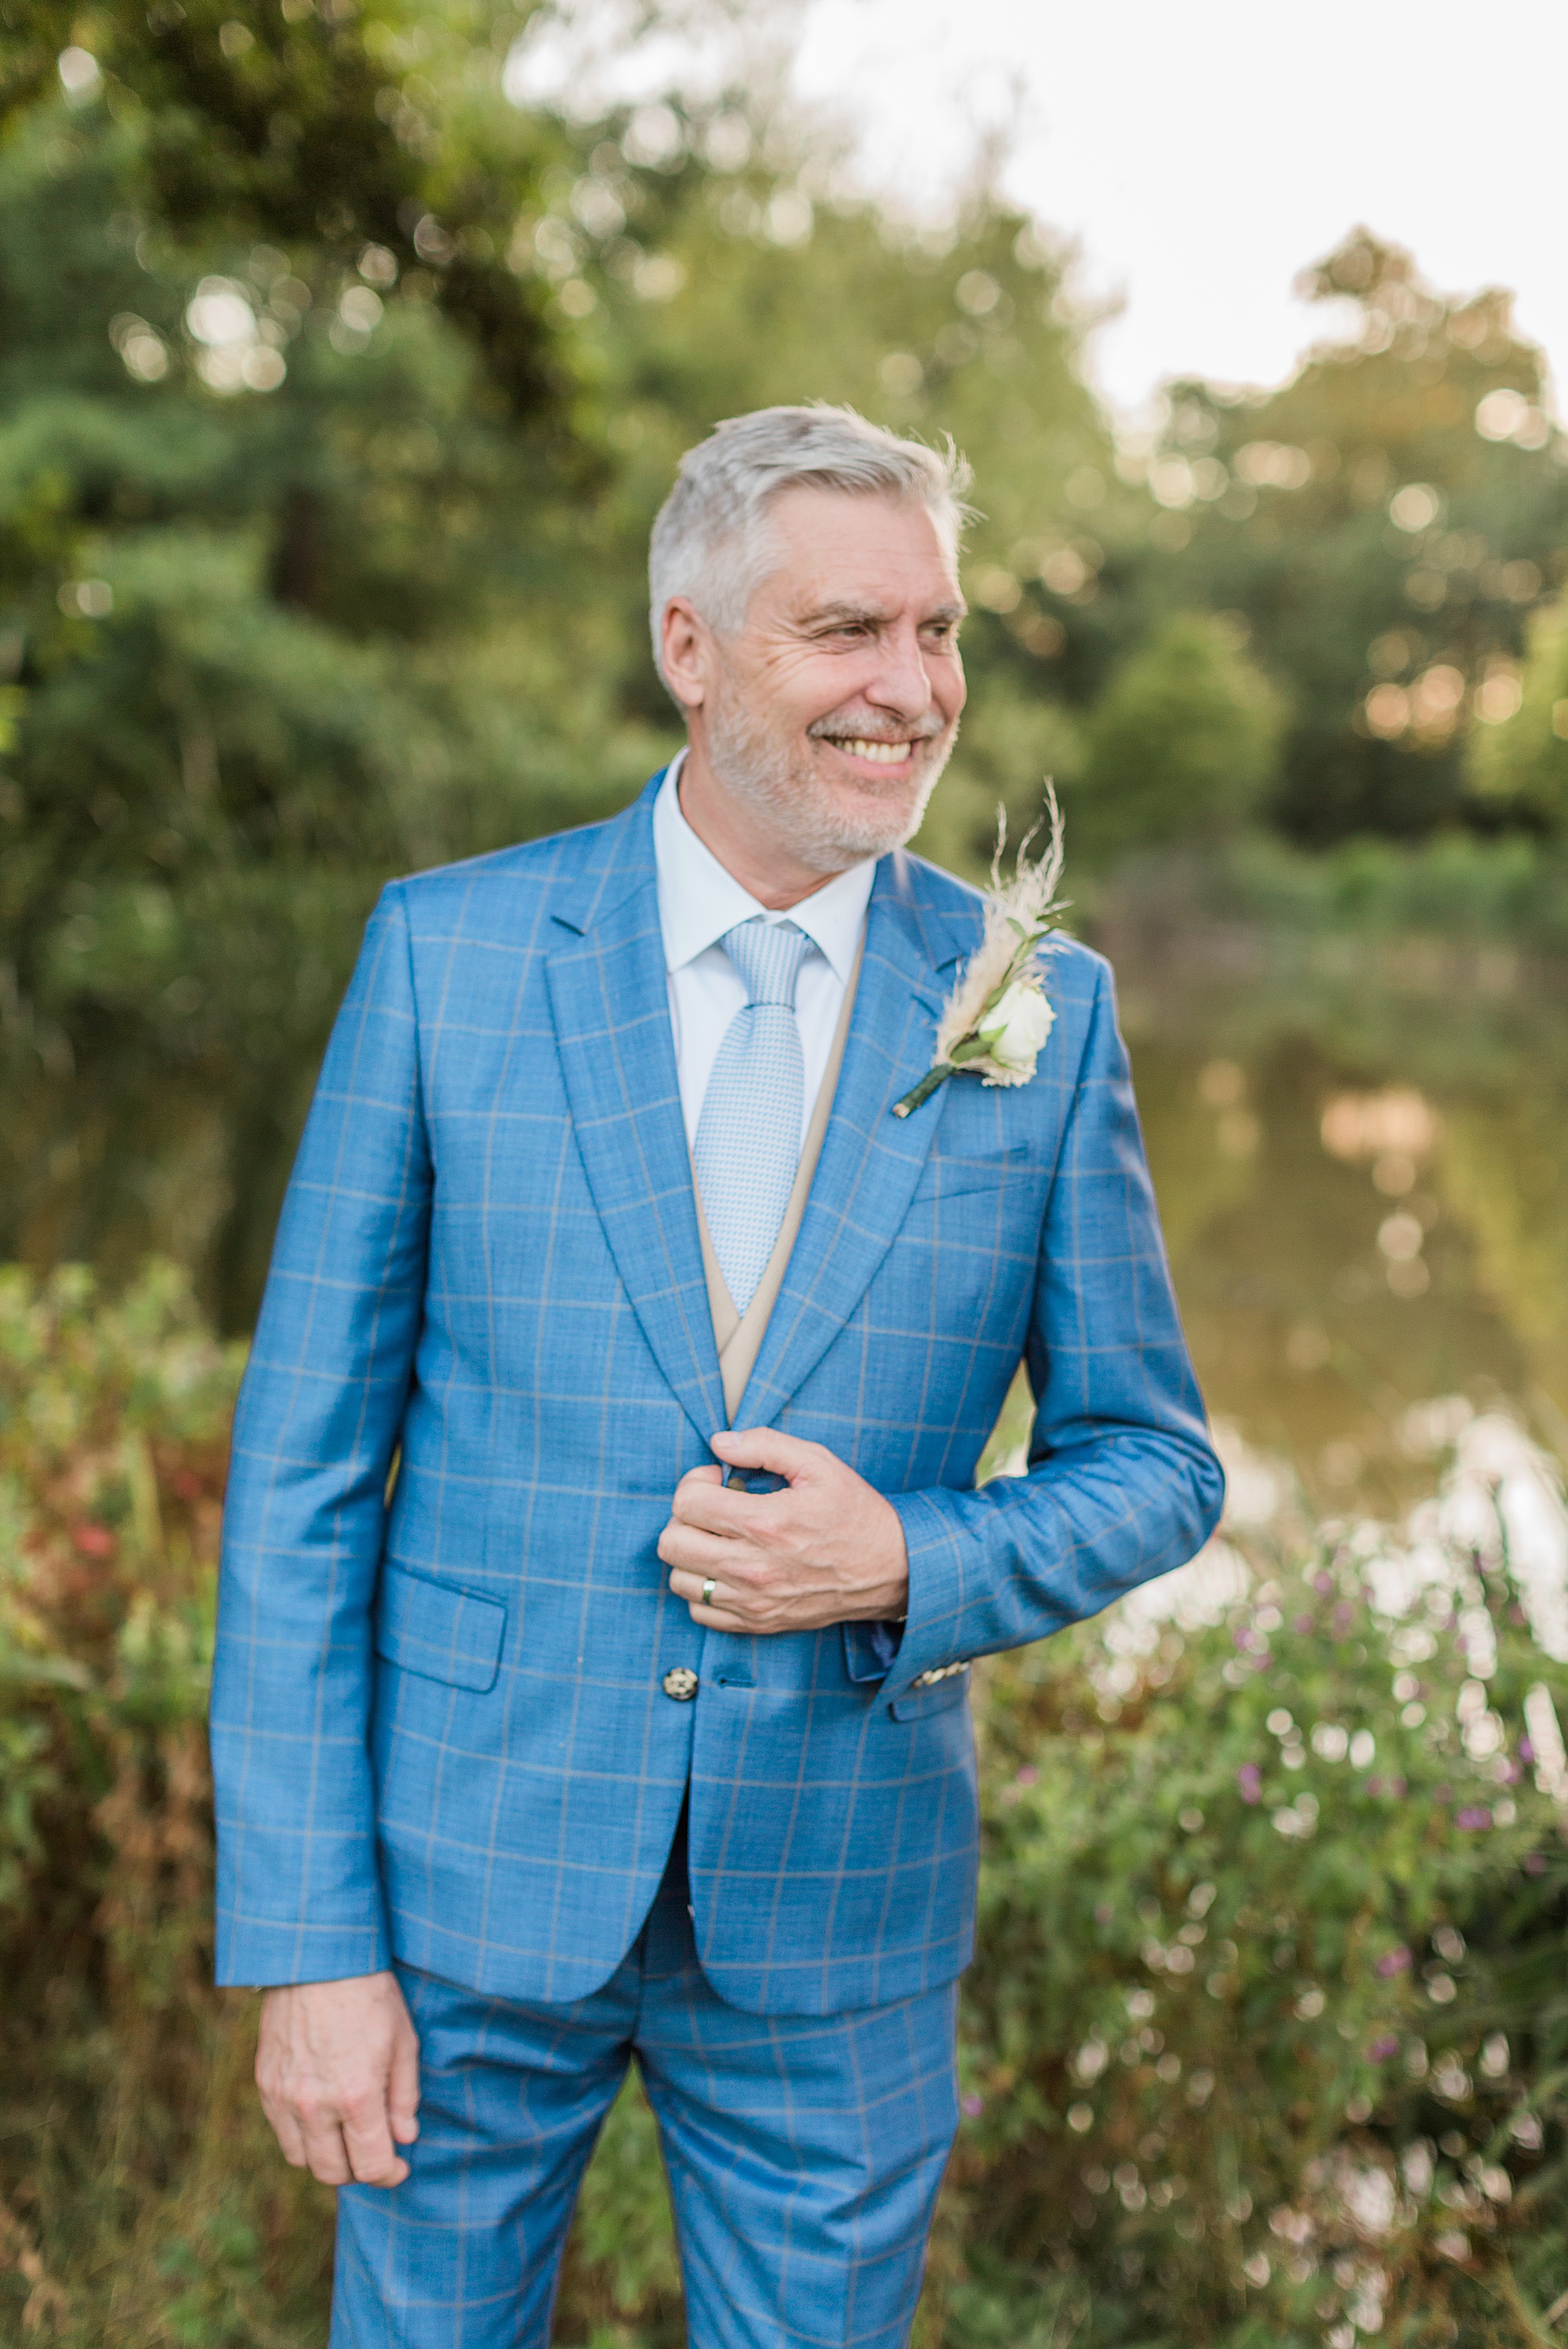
column 699, row 900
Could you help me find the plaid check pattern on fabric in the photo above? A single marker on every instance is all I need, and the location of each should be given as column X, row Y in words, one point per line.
column 803, row 2153
column 748, row 1142
column 438, row 1721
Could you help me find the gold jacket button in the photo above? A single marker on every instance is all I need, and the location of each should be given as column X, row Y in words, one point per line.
column 680, row 1683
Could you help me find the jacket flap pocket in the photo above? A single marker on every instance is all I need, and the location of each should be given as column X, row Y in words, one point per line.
column 939, row 1696
column 442, row 1633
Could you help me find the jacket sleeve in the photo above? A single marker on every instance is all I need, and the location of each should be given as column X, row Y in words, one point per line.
column 299, row 1898
column 1122, row 1481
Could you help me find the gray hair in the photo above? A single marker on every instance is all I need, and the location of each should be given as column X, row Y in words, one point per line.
column 711, row 542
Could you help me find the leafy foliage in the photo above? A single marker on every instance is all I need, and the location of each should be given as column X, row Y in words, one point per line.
column 320, row 128
column 1179, row 747
column 337, row 396
column 298, row 589
column 1522, row 763
column 1263, row 2040
column 1384, row 521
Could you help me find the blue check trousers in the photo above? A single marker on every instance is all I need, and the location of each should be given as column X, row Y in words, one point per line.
column 803, row 2153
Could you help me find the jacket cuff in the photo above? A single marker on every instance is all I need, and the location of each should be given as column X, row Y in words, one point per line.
column 932, row 1631
column 253, row 1954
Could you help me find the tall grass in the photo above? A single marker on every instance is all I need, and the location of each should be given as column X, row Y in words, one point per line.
column 1265, row 2039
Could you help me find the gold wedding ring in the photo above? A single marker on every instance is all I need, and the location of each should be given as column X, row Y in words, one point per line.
column 709, row 1588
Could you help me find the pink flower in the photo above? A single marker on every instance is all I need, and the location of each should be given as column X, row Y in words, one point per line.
column 1027, row 1776
column 973, row 2106
column 1250, row 1779
column 1394, row 1962
column 1381, row 2049
column 1474, row 1818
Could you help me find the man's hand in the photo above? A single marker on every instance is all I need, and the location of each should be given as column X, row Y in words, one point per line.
column 828, row 1550
column 337, row 2065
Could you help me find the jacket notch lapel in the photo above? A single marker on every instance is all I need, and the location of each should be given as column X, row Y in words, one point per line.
column 610, row 1004
column 871, row 1160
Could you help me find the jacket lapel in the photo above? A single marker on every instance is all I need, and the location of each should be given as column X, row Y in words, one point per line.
column 610, row 1001
column 871, row 1160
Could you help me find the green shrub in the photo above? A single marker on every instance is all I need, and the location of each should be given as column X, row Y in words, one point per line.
column 1264, row 2042
column 1180, row 747
column 1256, row 2043
column 1520, row 766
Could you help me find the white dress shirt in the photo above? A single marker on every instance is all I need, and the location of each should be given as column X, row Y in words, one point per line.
column 698, row 902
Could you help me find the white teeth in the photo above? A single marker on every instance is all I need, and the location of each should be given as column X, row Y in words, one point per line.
column 882, row 754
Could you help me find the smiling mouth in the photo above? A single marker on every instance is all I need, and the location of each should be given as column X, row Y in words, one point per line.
column 880, row 754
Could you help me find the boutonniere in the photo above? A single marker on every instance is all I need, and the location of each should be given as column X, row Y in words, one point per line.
column 998, row 1016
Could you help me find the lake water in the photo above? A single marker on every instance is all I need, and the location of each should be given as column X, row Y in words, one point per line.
column 1359, row 1161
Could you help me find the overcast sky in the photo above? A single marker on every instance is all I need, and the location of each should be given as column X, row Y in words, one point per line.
column 1201, row 151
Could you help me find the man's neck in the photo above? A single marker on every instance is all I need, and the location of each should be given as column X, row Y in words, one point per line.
column 764, row 866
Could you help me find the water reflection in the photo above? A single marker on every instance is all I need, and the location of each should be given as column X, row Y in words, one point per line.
column 1361, row 1185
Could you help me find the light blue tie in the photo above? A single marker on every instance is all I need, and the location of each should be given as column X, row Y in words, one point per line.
column 747, row 1143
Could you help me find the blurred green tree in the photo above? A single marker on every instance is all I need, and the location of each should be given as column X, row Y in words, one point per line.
column 305, row 579
column 1180, row 747
column 1384, row 524
column 338, row 396
column 1519, row 764
column 324, row 127
column 255, row 530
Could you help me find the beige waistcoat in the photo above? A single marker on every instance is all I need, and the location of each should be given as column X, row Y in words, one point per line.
column 740, row 1335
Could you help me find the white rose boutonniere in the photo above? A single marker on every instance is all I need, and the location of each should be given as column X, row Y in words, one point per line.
column 998, row 1016
column 1013, row 1031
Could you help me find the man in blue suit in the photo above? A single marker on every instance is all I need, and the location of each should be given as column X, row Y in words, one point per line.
column 603, row 1558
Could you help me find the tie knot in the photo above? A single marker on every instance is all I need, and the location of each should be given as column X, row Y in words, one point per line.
column 769, row 955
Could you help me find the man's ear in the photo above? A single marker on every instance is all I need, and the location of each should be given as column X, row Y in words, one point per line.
column 687, row 648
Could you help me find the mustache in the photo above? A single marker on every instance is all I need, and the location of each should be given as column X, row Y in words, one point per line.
column 884, row 729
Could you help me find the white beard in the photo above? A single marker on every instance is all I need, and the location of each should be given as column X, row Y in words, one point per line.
column 826, row 833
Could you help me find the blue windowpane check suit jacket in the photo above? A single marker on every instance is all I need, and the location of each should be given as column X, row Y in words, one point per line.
column 439, row 1726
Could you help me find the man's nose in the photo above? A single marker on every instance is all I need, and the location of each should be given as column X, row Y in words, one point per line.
column 902, row 682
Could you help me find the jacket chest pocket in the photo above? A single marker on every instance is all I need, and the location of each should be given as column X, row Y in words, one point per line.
column 1001, row 1175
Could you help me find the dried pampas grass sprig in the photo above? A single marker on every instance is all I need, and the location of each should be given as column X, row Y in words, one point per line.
column 996, row 1018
